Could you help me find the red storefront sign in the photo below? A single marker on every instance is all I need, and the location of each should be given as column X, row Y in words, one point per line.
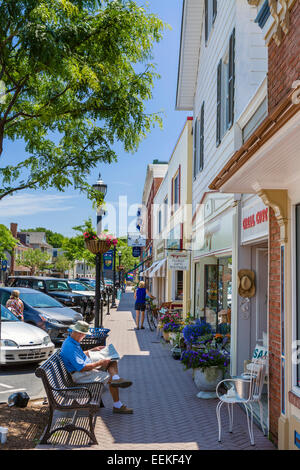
column 255, row 219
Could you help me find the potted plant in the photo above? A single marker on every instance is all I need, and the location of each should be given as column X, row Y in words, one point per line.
column 192, row 332
column 209, row 366
column 98, row 243
column 170, row 328
column 178, row 345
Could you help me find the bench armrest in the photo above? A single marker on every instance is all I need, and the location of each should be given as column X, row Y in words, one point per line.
column 74, row 390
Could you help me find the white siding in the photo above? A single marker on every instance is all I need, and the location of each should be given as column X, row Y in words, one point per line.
column 250, row 71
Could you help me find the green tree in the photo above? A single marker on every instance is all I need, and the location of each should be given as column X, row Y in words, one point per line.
column 127, row 260
column 62, row 264
column 77, row 74
column 36, row 260
column 74, row 248
column 7, row 241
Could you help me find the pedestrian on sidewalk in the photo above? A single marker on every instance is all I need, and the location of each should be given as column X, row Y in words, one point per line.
column 15, row 304
column 83, row 370
column 140, row 303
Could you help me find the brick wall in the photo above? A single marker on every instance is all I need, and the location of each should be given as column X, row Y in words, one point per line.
column 274, row 327
column 284, row 63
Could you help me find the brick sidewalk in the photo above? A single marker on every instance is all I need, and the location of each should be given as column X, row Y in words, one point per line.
column 167, row 413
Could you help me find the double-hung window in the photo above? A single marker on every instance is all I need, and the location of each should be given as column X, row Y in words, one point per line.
column 199, row 142
column 225, row 90
column 210, row 16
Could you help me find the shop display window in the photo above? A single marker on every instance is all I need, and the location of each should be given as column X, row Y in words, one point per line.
column 217, row 294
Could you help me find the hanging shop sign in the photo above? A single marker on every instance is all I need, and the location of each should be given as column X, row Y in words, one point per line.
column 255, row 220
column 179, row 261
column 136, row 239
column 108, row 260
column 136, row 251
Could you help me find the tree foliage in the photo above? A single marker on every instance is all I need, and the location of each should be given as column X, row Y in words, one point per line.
column 7, row 241
column 77, row 74
column 36, row 260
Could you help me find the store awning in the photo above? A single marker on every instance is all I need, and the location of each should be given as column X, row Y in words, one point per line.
column 148, row 271
column 158, row 270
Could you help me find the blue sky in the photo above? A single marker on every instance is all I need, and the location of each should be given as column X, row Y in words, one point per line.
column 62, row 211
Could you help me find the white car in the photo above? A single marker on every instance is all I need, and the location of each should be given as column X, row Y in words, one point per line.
column 21, row 342
column 81, row 288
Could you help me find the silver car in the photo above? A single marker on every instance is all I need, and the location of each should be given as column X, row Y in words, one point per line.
column 21, row 342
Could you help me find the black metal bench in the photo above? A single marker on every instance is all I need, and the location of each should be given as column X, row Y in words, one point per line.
column 64, row 394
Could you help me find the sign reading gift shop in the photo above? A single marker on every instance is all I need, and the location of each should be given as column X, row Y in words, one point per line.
column 179, row 261
column 255, row 220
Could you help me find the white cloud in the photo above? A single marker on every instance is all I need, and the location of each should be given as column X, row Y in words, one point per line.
column 31, row 204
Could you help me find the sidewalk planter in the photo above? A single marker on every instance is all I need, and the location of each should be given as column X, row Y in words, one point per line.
column 166, row 336
column 206, row 381
column 173, row 338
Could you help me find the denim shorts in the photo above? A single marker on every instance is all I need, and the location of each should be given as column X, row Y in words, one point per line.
column 139, row 306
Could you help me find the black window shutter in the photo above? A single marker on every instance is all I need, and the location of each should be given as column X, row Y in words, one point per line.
column 231, row 79
column 201, row 143
column 219, row 95
column 215, row 9
column 206, row 20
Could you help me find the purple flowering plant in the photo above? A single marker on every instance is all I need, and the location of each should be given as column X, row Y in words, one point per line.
column 205, row 358
column 172, row 327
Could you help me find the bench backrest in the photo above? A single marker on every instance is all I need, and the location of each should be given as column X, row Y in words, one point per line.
column 54, row 375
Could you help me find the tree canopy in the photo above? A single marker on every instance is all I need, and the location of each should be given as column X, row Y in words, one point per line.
column 36, row 260
column 76, row 75
column 7, row 241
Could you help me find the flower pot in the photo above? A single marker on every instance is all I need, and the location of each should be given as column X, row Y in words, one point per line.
column 97, row 246
column 206, row 381
column 166, row 336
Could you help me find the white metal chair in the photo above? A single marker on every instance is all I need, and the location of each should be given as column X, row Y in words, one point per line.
column 245, row 391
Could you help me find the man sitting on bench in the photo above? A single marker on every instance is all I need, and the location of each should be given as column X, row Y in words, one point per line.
column 84, row 370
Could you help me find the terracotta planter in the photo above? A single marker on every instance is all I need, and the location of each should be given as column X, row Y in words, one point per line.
column 97, row 246
column 206, row 381
column 166, row 335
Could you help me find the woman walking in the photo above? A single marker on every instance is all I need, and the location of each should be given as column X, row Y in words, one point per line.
column 140, row 303
column 15, row 304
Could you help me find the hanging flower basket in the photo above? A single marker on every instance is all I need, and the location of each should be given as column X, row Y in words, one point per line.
column 99, row 244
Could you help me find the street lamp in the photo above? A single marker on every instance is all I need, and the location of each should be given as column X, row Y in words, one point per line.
column 101, row 187
column 113, row 300
column 120, row 254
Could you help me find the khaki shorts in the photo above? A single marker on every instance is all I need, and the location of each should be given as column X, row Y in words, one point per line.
column 90, row 376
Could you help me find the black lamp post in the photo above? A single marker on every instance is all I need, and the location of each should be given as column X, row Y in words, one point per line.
column 101, row 187
column 120, row 254
column 113, row 300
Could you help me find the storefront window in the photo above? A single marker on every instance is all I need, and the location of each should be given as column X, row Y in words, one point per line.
column 217, row 294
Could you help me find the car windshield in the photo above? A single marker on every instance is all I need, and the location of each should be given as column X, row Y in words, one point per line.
column 78, row 286
column 39, row 300
column 7, row 315
column 56, row 284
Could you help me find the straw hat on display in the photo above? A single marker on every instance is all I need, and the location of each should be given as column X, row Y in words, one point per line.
column 246, row 283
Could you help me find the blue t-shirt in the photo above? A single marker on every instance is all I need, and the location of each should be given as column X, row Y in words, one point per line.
column 73, row 356
column 141, row 295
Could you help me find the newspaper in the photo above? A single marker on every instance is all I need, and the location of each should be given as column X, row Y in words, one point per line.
column 109, row 352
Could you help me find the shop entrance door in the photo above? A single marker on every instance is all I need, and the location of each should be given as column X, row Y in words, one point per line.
column 260, row 323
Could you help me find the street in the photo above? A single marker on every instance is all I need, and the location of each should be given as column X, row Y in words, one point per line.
column 20, row 378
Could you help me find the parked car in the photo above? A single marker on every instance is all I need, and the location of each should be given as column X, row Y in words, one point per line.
column 55, row 287
column 80, row 287
column 21, row 342
column 44, row 312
